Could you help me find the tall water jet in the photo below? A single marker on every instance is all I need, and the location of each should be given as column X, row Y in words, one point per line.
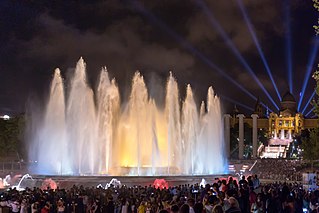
column 172, row 111
column 211, row 148
column 94, row 134
column 155, row 141
column 108, row 103
column 189, row 131
column 52, row 131
column 136, row 129
column 81, row 124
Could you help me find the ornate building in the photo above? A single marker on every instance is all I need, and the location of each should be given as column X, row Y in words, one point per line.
column 281, row 127
column 288, row 122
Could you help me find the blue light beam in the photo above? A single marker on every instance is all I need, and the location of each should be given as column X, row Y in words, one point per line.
column 313, row 54
column 230, row 44
column 236, row 102
column 189, row 47
column 255, row 39
column 266, row 107
column 308, row 113
column 241, row 104
column 288, row 45
column 308, row 102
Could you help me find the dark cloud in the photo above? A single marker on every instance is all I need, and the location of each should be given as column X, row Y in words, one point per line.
column 37, row 37
column 121, row 48
column 267, row 14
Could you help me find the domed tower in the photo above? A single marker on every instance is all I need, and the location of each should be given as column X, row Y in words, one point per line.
column 288, row 105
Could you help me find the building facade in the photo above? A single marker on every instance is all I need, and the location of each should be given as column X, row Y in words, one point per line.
column 282, row 128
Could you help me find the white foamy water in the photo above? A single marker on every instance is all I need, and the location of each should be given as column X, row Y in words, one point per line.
column 85, row 131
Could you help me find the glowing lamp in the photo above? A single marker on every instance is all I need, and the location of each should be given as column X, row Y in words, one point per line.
column 49, row 183
column 160, row 184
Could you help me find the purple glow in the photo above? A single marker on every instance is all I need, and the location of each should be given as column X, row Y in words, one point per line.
column 255, row 39
column 313, row 54
column 230, row 44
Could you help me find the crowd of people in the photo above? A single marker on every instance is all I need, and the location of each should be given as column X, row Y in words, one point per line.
column 279, row 169
column 246, row 195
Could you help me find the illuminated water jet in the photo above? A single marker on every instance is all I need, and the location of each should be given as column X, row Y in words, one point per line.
column 203, row 182
column 91, row 133
column 18, row 186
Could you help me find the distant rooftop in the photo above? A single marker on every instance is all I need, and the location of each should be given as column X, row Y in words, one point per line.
column 288, row 97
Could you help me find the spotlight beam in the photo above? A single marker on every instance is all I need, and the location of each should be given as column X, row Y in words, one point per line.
column 288, row 46
column 255, row 39
column 231, row 45
column 241, row 104
column 308, row 113
column 266, row 107
column 313, row 54
column 186, row 45
column 308, row 102
column 236, row 102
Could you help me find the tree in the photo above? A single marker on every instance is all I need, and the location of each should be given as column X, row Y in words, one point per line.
column 315, row 101
column 310, row 144
column 316, row 5
column 11, row 136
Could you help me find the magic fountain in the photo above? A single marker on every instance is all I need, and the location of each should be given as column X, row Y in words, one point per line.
column 82, row 131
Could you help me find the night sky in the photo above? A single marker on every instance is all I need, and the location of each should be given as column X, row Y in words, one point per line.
column 155, row 37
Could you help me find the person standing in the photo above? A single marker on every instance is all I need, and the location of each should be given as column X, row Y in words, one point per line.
column 125, row 205
column 24, row 206
column 15, row 206
column 60, row 205
column 256, row 182
column 34, row 207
